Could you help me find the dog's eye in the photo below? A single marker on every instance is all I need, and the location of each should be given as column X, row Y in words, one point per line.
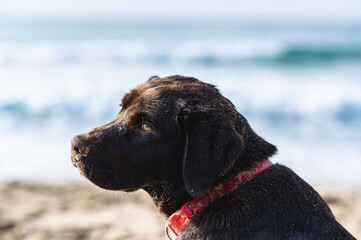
column 146, row 127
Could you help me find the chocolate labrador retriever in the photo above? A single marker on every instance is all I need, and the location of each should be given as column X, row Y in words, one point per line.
column 205, row 168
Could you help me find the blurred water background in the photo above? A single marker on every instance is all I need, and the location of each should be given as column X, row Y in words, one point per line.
column 298, row 84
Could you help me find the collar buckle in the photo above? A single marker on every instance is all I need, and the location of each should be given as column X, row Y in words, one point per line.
column 177, row 221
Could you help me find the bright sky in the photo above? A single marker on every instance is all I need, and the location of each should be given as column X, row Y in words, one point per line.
column 254, row 9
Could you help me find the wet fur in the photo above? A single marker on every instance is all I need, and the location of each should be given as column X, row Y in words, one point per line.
column 198, row 140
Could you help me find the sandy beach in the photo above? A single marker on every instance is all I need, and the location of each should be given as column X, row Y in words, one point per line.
column 61, row 211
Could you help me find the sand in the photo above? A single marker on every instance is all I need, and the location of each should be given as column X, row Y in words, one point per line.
column 63, row 211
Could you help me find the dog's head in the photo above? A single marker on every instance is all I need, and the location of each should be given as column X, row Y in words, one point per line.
column 170, row 129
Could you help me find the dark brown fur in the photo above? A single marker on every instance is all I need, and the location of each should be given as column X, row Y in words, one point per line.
column 197, row 140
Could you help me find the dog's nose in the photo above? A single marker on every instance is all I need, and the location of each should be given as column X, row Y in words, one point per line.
column 79, row 146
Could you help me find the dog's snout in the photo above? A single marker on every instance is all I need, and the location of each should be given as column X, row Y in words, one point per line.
column 79, row 146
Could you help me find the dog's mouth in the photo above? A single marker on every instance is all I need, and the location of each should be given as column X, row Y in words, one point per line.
column 99, row 174
column 101, row 166
column 77, row 159
column 95, row 170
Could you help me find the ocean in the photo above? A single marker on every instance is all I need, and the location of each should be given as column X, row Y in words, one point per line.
column 298, row 84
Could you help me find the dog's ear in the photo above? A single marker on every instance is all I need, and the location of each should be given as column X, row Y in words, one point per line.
column 211, row 148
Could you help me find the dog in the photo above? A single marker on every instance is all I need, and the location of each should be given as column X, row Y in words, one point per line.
column 206, row 170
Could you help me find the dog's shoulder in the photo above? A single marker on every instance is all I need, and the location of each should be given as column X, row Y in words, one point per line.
column 294, row 210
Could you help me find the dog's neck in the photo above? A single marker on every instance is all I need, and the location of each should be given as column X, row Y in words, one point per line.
column 168, row 196
column 185, row 214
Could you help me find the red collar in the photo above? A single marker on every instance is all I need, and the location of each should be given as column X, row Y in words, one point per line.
column 183, row 216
